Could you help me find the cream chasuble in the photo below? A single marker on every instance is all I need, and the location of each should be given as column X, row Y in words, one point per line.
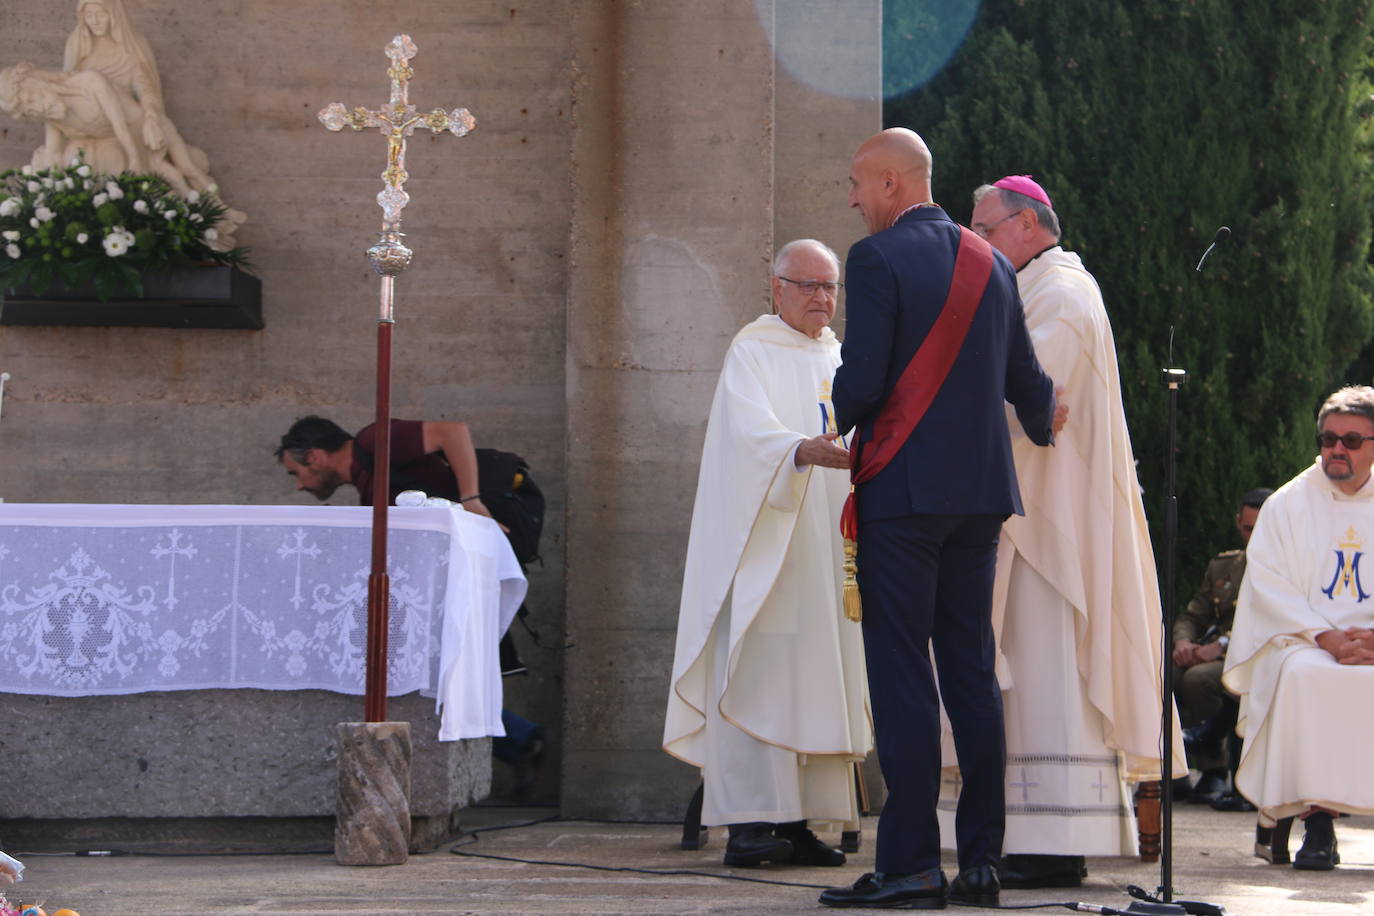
column 1301, row 712
column 1075, row 600
column 769, row 695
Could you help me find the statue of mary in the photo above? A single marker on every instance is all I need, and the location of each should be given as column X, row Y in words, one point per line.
column 108, row 103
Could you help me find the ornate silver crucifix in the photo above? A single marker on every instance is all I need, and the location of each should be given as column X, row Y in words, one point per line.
column 397, row 120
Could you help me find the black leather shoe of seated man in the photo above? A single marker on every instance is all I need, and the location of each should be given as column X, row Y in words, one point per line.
column 924, row 890
column 1028, row 871
column 1232, row 801
column 753, row 844
column 976, row 886
column 807, row 848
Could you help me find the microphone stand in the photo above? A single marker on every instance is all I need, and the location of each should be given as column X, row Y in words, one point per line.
column 1162, row 903
column 1174, row 378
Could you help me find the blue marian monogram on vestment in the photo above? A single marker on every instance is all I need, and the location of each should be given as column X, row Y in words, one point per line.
column 828, row 424
column 1347, row 572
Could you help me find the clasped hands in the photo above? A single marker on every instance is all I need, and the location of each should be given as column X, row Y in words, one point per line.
column 1351, row 646
column 1188, row 653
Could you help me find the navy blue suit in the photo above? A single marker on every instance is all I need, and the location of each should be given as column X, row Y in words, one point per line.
column 928, row 529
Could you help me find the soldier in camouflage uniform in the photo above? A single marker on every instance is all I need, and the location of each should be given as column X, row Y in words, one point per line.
column 1201, row 634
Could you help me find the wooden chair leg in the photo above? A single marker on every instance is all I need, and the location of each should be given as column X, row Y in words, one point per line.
column 861, row 789
column 851, row 840
column 1271, row 843
column 694, row 836
column 1147, row 813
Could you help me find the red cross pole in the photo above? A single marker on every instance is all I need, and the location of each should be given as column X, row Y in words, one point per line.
column 396, row 120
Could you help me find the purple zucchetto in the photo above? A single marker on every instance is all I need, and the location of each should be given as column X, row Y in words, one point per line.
column 1024, row 184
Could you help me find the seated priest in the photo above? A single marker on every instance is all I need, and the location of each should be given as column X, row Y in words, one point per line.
column 1301, row 654
column 769, row 698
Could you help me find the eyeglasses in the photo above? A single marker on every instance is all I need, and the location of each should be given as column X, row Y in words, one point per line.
column 810, row 286
column 1353, row 442
column 983, row 230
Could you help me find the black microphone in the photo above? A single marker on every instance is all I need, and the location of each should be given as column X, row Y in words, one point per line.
column 1222, row 235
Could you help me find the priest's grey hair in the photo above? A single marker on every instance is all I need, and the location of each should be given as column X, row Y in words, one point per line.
column 1015, row 200
column 1352, row 399
column 786, row 251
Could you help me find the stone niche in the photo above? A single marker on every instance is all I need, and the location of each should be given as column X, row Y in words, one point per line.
column 209, row 771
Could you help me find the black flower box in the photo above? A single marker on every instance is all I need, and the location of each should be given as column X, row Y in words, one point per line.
column 199, row 297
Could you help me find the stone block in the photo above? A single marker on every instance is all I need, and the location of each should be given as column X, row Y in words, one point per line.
column 373, row 808
column 214, row 755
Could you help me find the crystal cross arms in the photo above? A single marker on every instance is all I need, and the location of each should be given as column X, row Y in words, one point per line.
column 397, row 120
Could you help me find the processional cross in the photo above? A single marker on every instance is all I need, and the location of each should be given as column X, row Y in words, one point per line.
column 397, row 120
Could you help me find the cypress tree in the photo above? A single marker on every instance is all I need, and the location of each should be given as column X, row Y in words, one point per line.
column 1151, row 123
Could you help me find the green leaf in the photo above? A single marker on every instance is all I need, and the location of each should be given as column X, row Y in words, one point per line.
column 81, row 272
column 104, row 282
column 133, row 280
column 68, row 271
column 41, row 277
column 15, row 275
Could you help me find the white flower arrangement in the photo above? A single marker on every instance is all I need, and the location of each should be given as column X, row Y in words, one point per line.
column 77, row 226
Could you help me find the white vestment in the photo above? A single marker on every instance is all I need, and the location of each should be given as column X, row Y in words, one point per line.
column 1301, row 712
column 769, row 695
column 1075, row 600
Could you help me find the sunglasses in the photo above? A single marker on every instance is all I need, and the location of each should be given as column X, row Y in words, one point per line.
column 1352, row 441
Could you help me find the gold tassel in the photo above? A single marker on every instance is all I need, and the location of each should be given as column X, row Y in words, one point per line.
column 853, row 606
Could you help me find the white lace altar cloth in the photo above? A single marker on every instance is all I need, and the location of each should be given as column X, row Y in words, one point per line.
column 109, row 599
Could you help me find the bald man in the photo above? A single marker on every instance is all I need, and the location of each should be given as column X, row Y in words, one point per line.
column 932, row 491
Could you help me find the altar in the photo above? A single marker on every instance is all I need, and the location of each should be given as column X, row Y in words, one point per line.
column 160, row 663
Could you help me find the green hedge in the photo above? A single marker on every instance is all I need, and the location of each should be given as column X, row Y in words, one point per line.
column 1151, row 123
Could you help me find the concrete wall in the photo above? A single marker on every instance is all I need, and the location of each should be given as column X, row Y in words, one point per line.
column 582, row 260
column 693, row 157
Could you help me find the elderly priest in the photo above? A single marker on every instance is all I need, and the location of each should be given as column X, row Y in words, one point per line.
column 768, row 695
column 1302, row 647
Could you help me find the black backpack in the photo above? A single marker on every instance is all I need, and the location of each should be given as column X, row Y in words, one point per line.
column 513, row 498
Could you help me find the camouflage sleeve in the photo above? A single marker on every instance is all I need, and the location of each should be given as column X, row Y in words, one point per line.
column 1201, row 611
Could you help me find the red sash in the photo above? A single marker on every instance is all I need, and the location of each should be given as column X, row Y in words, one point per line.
column 925, row 374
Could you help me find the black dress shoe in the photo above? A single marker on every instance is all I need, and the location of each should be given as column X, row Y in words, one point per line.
column 1318, row 852
column 753, row 844
column 1208, row 789
column 1232, row 801
column 925, row 890
column 977, row 886
column 1028, row 871
column 807, row 848
column 1182, row 787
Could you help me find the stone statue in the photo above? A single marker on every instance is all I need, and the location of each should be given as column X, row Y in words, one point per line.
column 82, row 113
column 107, row 102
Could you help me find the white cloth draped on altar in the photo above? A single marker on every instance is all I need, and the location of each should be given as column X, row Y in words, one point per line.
column 110, row 599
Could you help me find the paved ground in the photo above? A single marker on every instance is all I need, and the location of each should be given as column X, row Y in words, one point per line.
column 1212, row 862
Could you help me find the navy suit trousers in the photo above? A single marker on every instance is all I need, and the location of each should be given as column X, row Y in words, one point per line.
column 926, row 582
